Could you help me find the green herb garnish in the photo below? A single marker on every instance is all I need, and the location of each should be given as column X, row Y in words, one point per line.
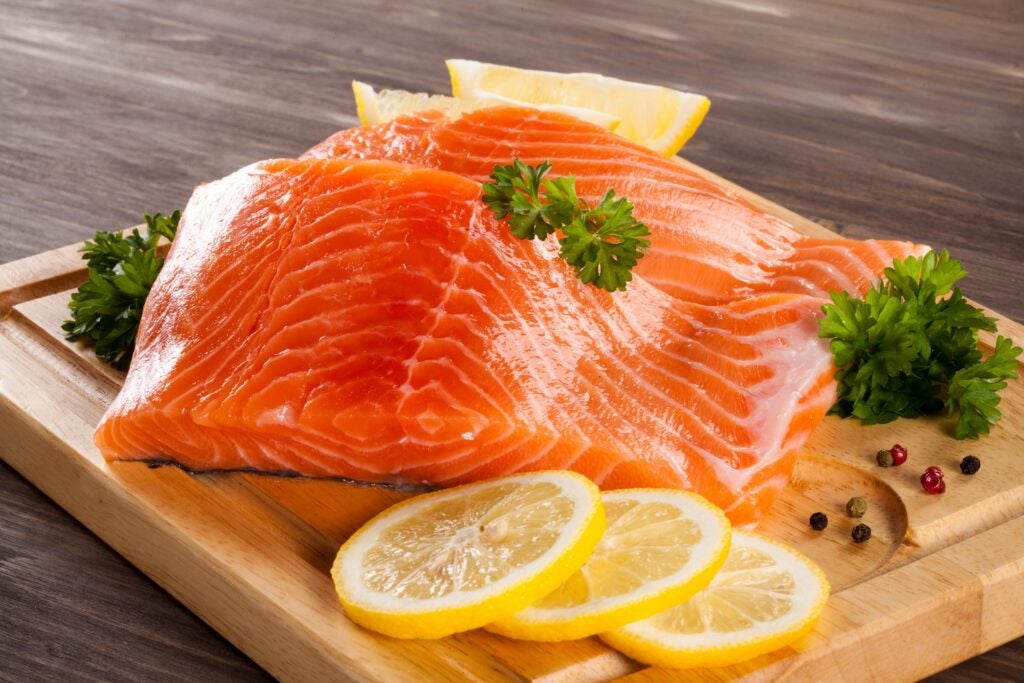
column 907, row 349
column 602, row 242
column 107, row 308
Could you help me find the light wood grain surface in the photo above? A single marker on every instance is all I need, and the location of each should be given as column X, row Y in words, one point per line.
column 888, row 119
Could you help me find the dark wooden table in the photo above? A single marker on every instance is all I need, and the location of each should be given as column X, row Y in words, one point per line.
column 894, row 119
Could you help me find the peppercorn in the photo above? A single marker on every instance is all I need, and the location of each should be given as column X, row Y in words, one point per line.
column 819, row 520
column 931, row 480
column 861, row 533
column 899, row 454
column 856, row 507
column 970, row 465
column 884, row 458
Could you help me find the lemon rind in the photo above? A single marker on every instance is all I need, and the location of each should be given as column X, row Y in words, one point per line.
column 366, row 103
column 686, row 132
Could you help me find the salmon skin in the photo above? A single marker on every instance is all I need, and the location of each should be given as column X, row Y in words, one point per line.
column 708, row 244
column 373, row 321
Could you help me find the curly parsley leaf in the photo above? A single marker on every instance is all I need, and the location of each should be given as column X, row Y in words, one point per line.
column 107, row 308
column 907, row 349
column 974, row 390
column 516, row 194
column 603, row 242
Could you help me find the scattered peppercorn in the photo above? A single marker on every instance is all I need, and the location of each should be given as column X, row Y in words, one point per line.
column 861, row 533
column 970, row 465
column 899, row 455
column 931, row 480
column 856, row 507
column 819, row 520
column 884, row 459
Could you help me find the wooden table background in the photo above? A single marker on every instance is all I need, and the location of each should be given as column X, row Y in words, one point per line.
column 886, row 119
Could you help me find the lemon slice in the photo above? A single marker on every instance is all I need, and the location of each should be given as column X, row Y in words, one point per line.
column 766, row 596
column 375, row 106
column 660, row 547
column 456, row 559
column 659, row 118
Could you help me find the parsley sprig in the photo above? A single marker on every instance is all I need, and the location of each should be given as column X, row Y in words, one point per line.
column 603, row 242
column 107, row 308
column 910, row 347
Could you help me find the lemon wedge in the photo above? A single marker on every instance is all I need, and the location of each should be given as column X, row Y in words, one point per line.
column 656, row 117
column 380, row 106
column 660, row 547
column 457, row 559
column 375, row 107
column 765, row 596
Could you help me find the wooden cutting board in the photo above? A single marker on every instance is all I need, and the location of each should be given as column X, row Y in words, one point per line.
column 941, row 580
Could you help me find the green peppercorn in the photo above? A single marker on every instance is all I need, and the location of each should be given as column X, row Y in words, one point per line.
column 861, row 533
column 856, row 507
column 884, row 458
column 819, row 520
column 970, row 465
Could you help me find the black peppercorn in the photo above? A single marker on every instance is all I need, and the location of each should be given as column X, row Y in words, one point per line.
column 861, row 533
column 970, row 465
column 819, row 520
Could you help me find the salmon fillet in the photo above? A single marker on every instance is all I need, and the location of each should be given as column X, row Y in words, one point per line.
column 708, row 244
column 372, row 321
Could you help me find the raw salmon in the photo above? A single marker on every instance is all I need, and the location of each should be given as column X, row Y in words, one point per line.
column 372, row 321
column 709, row 245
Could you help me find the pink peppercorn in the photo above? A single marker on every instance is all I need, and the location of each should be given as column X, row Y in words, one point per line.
column 931, row 480
column 899, row 455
